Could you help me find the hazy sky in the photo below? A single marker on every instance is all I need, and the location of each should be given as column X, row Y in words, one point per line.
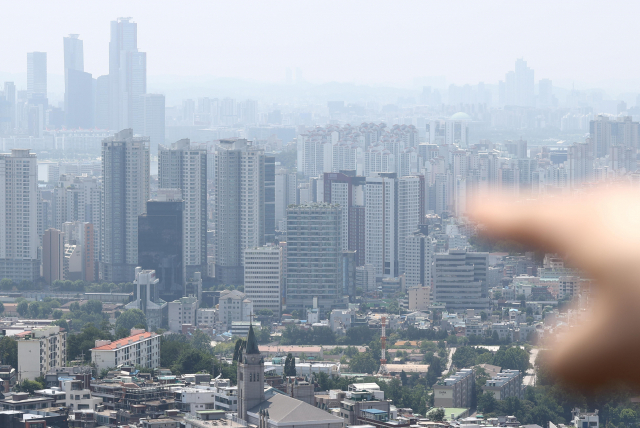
column 389, row 42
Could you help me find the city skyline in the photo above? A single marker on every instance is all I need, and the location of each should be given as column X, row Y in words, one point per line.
column 473, row 37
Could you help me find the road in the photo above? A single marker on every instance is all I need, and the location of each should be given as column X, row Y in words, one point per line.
column 450, row 360
column 530, row 378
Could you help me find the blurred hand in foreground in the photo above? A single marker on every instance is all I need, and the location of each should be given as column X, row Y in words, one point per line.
column 598, row 233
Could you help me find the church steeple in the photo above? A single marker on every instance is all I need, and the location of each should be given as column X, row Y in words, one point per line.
column 250, row 376
column 252, row 342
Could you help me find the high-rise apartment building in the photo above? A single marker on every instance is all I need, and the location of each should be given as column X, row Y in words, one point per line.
column 348, row 190
column 184, row 166
column 286, row 185
column 518, row 88
column 239, row 205
column 460, row 280
column 154, row 116
column 160, row 244
column 79, row 101
column 314, row 256
column 8, row 109
column 36, row 75
column 127, row 77
column 269, row 199
column 605, row 133
column 82, row 236
column 263, row 277
column 19, row 238
column 419, row 255
column 393, row 209
column 125, row 174
column 381, row 224
column 52, row 256
column 411, row 193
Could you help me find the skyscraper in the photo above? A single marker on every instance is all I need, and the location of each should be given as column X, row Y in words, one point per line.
column 52, row 255
column 419, row 253
column 518, row 87
column 269, row 199
column 19, row 239
column 79, row 92
column 381, row 225
column 127, row 76
column 314, row 256
column 239, row 205
column 184, row 167
column 348, row 192
column 8, row 109
column 102, row 106
column 37, row 75
column 286, row 185
column 160, row 244
column 125, row 173
column 153, row 128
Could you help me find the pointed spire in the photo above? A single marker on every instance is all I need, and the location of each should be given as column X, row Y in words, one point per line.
column 252, row 342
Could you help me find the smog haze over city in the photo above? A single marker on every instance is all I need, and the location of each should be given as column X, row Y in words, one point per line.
column 274, row 214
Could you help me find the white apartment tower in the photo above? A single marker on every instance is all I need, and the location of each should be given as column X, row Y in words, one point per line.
column 381, row 244
column 19, row 239
column 184, row 166
column 125, row 174
column 411, row 191
column 394, row 207
column 263, row 277
column 239, row 205
column 419, row 253
column 40, row 350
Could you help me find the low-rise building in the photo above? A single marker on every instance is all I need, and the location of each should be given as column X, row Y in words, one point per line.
column 419, row 298
column 22, row 401
column 234, row 306
column 78, row 397
column 455, row 391
column 356, row 401
column 8, row 377
column 182, row 311
column 140, row 349
column 206, row 317
column 506, row 384
column 40, row 350
column 582, row 419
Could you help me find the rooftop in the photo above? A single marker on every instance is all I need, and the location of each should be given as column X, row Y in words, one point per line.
column 123, row 342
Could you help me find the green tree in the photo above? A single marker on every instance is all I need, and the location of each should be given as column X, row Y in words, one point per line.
column 6, row 284
column 629, row 417
column 514, row 358
column 237, row 351
column 93, row 307
column 57, row 314
column 437, row 415
column 465, row 356
column 9, row 351
column 22, row 308
column 487, row 403
column 130, row 318
column 1, row 307
column 79, row 345
column 29, row 386
column 290, row 365
column 363, row 362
